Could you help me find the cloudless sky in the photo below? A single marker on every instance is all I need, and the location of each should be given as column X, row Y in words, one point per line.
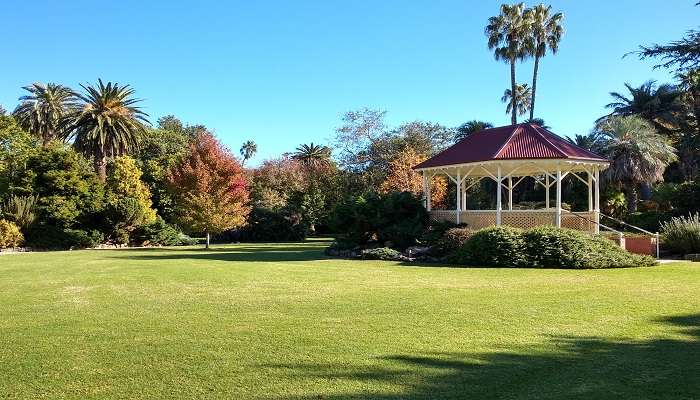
column 282, row 73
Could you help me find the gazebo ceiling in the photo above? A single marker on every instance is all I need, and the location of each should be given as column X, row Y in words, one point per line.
column 525, row 147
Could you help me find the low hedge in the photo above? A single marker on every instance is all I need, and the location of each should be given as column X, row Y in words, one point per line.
column 382, row 253
column 544, row 247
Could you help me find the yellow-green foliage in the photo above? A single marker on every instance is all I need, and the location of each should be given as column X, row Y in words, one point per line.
column 10, row 236
column 127, row 193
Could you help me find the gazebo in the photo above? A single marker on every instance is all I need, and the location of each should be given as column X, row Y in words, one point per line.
column 508, row 155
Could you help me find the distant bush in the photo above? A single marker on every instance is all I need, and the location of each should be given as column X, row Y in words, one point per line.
column 158, row 233
column 549, row 247
column 452, row 240
column 267, row 226
column 398, row 217
column 10, row 235
column 682, row 234
column 497, row 246
column 382, row 253
column 54, row 238
column 435, row 231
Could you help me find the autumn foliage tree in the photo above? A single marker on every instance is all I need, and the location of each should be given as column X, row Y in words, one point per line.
column 209, row 187
column 402, row 177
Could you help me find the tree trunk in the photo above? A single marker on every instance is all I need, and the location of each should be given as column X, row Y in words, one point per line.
column 513, row 115
column 101, row 166
column 534, row 87
column 632, row 198
column 208, row 238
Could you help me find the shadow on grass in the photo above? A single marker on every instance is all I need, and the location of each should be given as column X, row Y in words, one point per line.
column 582, row 368
column 277, row 252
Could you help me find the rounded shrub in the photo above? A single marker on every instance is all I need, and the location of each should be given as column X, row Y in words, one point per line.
column 10, row 235
column 549, row 247
column 382, row 253
column 497, row 246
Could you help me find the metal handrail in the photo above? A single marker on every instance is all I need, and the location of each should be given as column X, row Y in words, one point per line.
column 593, row 221
column 621, row 234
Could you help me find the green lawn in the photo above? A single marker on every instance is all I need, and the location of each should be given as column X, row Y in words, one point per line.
column 283, row 322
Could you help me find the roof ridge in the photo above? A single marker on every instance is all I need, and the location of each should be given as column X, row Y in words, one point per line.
column 505, row 142
column 537, row 128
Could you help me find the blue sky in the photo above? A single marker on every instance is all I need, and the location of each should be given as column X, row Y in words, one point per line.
column 282, row 72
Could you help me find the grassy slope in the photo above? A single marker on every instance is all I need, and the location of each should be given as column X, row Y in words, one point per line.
column 280, row 321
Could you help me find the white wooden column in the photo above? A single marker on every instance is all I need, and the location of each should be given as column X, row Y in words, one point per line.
column 498, row 196
column 459, row 196
column 557, row 218
column 464, row 197
column 546, row 191
column 425, row 190
column 596, row 203
column 428, row 199
column 590, row 191
column 510, row 193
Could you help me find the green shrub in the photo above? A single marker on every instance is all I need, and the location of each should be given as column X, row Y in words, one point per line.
column 10, row 235
column 452, row 240
column 55, row 238
column 382, row 253
column 497, row 246
column 549, row 247
column 342, row 244
column 682, row 234
column 158, row 233
column 269, row 226
column 398, row 217
column 434, row 232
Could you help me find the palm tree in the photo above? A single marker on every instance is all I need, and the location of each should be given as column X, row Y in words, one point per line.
column 537, row 121
column 41, row 111
column 593, row 141
column 106, row 124
column 470, row 127
column 656, row 105
column 312, row 154
column 248, row 150
column 509, row 37
column 521, row 101
column 546, row 31
column 638, row 153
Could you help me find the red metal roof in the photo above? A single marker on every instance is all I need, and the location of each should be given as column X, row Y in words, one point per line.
column 512, row 142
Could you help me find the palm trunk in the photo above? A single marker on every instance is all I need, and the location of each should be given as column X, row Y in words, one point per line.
column 534, row 87
column 101, row 166
column 513, row 116
column 632, row 198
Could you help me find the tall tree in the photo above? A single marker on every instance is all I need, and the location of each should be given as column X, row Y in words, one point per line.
column 106, row 124
column 521, row 100
column 509, row 36
column 41, row 111
column 638, row 153
column 683, row 54
column 546, row 31
column 658, row 105
column 470, row 127
column 248, row 150
column 312, row 154
column 210, row 188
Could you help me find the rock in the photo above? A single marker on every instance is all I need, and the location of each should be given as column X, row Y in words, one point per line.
column 417, row 251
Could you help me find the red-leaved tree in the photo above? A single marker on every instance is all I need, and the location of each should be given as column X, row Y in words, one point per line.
column 209, row 187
